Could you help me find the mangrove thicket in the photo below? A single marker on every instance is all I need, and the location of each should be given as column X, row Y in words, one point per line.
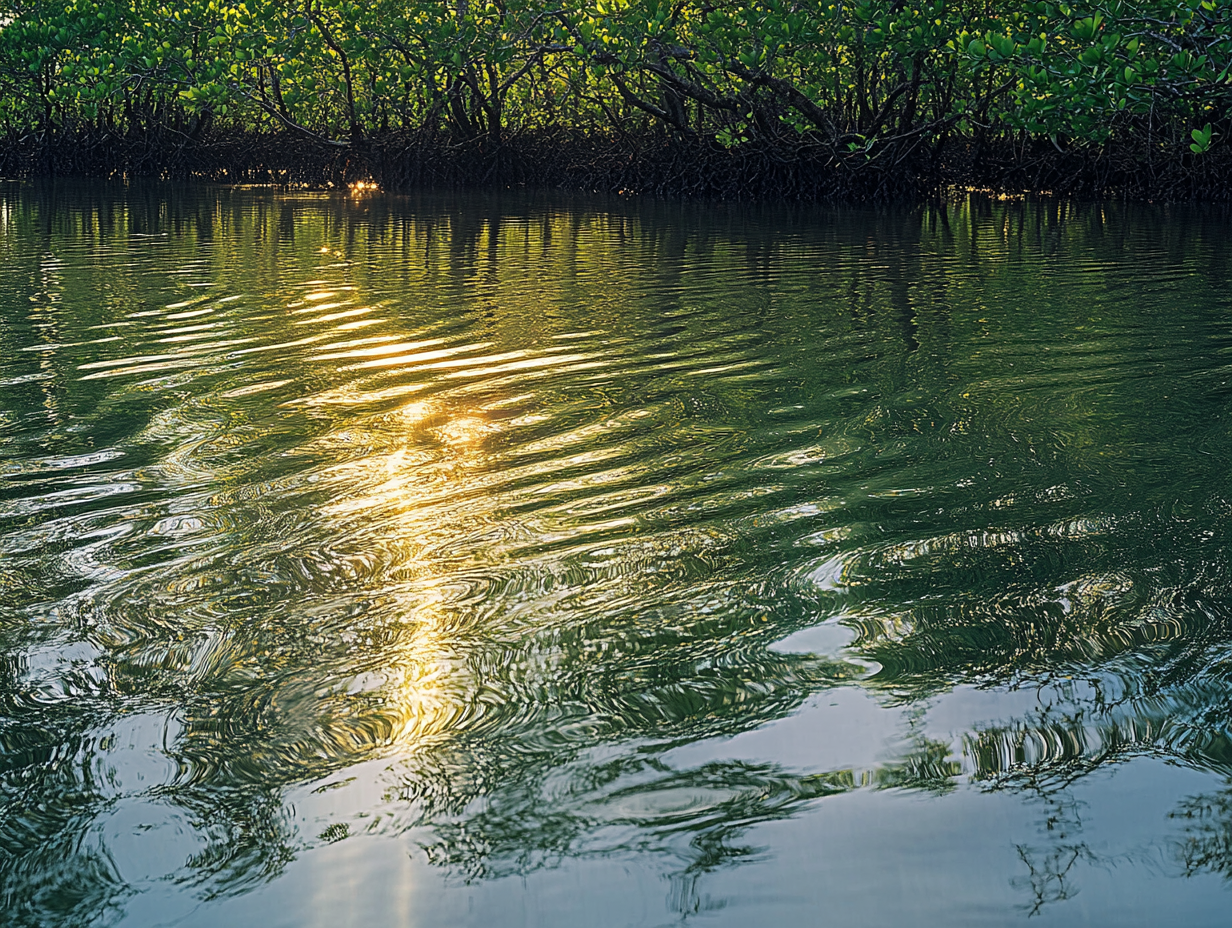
column 790, row 97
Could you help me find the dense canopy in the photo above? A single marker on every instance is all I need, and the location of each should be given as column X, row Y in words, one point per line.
column 847, row 83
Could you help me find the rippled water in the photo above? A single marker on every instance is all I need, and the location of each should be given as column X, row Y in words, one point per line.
column 504, row 561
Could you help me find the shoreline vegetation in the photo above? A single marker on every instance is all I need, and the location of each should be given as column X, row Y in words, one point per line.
column 776, row 99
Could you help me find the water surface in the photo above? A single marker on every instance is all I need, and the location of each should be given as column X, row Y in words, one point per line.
column 506, row 561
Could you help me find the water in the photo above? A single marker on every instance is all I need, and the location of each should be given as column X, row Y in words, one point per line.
column 508, row 561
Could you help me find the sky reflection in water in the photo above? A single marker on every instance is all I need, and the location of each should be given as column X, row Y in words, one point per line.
column 504, row 561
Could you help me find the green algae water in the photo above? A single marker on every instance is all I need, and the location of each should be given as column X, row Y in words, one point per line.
column 505, row 561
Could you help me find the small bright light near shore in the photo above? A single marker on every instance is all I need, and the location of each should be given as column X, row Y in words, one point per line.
column 360, row 186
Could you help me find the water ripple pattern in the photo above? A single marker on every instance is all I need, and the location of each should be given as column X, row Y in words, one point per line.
column 504, row 525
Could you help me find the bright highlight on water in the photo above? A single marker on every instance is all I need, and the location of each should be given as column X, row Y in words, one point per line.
column 375, row 560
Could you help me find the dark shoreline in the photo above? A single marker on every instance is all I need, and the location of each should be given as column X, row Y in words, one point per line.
column 657, row 164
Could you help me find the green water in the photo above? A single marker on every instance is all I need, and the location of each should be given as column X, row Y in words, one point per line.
column 508, row 561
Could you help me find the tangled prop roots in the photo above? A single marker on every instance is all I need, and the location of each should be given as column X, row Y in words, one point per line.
column 658, row 164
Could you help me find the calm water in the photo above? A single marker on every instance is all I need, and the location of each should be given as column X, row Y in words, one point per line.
column 375, row 561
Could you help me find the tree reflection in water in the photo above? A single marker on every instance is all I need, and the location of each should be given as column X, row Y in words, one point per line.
column 515, row 501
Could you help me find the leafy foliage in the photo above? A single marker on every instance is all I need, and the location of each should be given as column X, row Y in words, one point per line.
column 854, row 83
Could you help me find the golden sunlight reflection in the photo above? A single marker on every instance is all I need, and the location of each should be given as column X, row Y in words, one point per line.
column 416, row 497
column 465, row 430
column 415, row 412
column 356, row 394
column 414, row 693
